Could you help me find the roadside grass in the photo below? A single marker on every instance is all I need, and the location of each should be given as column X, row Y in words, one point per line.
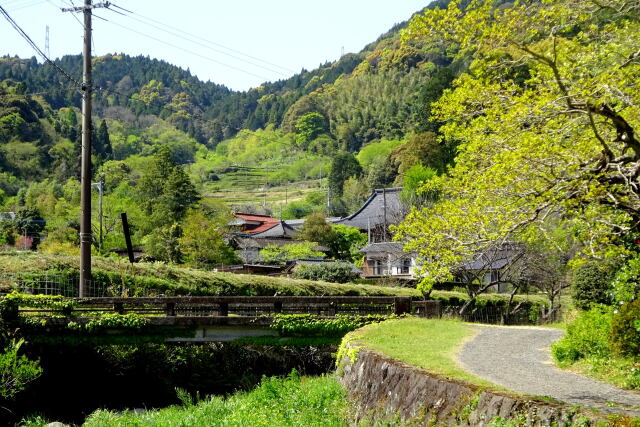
column 431, row 344
column 619, row 371
column 290, row 401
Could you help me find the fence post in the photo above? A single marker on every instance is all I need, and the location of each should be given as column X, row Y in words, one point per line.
column 118, row 307
column 402, row 305
column 223, row 309
column 332, row 310
column 170, row 309
column 277, row 307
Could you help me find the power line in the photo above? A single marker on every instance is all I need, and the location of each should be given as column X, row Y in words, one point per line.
column 203, row 40
column 188, row 51
column 192, row 38
column 36, row 48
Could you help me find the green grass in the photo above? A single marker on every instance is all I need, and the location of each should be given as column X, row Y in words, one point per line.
column 431, row 344
column 291, row 401
column 173, row 280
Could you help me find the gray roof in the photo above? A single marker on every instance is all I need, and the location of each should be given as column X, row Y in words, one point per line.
column 494, row 258
column 372, row 213
column 384, row 247
column 281, row 230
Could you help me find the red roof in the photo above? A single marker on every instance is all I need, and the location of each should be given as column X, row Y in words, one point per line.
column 266, row 222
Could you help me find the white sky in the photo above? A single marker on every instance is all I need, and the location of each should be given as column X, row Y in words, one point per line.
column 288, row 34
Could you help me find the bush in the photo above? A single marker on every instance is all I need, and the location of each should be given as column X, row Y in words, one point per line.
column 592, row 284
column 625, row 329
column 336, row 272
column 16, row 371
column 588, row 335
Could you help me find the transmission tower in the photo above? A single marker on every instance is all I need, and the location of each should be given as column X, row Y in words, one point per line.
column 46, row 43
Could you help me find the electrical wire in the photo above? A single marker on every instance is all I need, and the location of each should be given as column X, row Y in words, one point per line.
column 25, row 36
column 192, row 39
column 188, row 51
column 194, row 36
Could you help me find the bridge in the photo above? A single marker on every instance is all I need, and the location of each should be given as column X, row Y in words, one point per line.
column 217, row 318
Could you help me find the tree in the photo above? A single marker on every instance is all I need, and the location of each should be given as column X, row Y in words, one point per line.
column 546, row 119
column 202, row 241
column 316, row 229
column 343, row 166
column 290, row 252
column 309, row 127
column 102, row 143
column 165, row 190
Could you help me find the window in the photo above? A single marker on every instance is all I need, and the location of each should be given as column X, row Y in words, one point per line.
column 377, row 267
column 406, row 266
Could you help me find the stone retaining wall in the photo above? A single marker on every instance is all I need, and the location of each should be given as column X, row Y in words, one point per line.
column 384, row 389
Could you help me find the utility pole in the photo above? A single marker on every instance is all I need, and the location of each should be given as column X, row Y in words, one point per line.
column 85, row 174
column 100, row 186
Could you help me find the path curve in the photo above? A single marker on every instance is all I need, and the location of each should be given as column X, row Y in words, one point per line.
column 518, row 358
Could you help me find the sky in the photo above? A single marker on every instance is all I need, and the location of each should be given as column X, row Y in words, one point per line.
column 238, row 43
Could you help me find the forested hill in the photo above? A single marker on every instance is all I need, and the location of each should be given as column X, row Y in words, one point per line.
column 210, row 112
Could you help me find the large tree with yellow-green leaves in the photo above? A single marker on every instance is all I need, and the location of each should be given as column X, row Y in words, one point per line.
column 546, row 117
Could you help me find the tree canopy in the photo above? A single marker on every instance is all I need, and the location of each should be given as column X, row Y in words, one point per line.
column 545, row 117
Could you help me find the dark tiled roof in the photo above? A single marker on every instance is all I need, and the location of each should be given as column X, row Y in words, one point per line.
column 493, row 258
column 372, row 213
column 385, row 247
column 280, row 229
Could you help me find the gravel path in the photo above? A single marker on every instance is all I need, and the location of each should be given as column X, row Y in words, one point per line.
column 518, row 358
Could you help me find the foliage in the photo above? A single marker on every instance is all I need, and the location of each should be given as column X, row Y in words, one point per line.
column 542, row 118
column 309, row 127
column 377, row 150
column 11, row 302
column 202, row 241
column 290, row 401
column 587, row 335
column 415, row 178
column 115, row 321
column 625, row 329
column 290, row 252
column 16, row 371
column 119, row 278
column 626, row 283
column 336, row 272
column 303, row 325
column 592, row 284
column 343, row 166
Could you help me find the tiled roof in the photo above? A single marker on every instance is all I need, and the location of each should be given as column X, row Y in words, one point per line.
column 280, row 229
column 385, row 247
column 265, row 222
column 372, row 213
column 494, row 258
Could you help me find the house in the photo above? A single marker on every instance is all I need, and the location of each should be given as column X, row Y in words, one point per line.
column 388, row 259
column 382, row 208
column 251, row 224
column 492, row 266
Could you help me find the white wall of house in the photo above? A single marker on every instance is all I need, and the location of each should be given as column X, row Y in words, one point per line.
column 385, row 264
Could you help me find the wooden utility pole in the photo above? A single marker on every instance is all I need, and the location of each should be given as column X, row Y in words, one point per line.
column 85, row 174
column 85, row 177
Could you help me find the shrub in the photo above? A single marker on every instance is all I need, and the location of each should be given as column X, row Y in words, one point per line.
column 625, row 329
column 592, row 284
column 588, row 335
column 336, row 272
column 16, row 371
